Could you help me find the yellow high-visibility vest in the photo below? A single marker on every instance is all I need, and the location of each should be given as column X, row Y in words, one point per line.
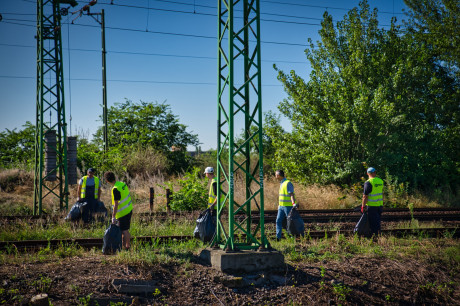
column 212, row 196
column 83, row 187
column 284, row 196
column 375, row 198
column 125, row 205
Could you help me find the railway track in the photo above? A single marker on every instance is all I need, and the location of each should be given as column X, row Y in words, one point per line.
column 309, row 216
column 88, row 243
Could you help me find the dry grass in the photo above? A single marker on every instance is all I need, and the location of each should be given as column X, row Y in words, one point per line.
column 17, row 190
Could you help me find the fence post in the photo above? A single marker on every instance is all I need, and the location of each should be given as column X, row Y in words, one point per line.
column 152, row 197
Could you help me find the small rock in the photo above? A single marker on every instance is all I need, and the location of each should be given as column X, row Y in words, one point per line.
column 40, row 300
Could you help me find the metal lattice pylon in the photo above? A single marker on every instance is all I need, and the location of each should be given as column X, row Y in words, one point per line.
column 239, row 81
column 50, row 135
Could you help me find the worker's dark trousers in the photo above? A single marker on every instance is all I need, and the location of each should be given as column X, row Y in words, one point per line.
column 92, row 202
column 374, row 214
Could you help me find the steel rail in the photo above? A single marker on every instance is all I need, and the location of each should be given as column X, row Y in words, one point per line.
column 303, row 212
column 88, row 243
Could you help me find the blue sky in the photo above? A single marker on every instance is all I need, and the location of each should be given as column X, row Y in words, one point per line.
column 151, row 58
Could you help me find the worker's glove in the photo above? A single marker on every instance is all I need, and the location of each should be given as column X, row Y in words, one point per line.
column 362, row 209
column 114, row 221
column 295, row 206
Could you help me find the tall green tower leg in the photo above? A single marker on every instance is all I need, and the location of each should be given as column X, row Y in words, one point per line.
column 239, row 163
column 50, row 133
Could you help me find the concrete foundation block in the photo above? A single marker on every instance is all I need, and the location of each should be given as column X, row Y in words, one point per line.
column 244, row 261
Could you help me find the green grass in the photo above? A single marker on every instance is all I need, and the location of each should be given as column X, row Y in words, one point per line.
column 438, row 252
column 66, row 230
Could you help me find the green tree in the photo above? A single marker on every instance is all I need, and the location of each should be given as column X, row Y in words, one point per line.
column 437, row 23
column 17, row 147
column 146, row 124
column 374, row 97
column 139, row 131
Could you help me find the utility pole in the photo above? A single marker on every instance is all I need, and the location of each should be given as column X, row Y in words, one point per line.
column 104, row 77
column 238, row 82
column 50, row 166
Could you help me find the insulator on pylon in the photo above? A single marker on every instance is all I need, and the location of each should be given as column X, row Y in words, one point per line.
column 50, row 156
column 72, row 160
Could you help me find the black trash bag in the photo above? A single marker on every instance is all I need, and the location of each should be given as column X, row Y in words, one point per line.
column 112, row 240
column 363, row 228
column 101, row 212
column 295, row 225
column 74, row 213
column 205, row 226
column 101, row 208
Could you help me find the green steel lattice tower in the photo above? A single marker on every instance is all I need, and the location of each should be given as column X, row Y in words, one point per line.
column 50, row 100
column 239, row 81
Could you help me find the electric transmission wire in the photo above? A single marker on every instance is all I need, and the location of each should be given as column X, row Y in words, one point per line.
column 151, row 54
column 135, row 81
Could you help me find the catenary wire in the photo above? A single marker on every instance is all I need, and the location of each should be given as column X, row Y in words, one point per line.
column 150, row 54
column 134, row 81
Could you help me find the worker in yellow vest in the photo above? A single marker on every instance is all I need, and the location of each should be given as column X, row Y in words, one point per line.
column 89, row 190
column 373, row 199
column 122, row 207
column 286, row 201
column 212, row 196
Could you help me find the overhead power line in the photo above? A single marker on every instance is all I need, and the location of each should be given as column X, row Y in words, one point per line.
column 133, row 81
column 150, row 54
column 215, row 15
column 319, row 6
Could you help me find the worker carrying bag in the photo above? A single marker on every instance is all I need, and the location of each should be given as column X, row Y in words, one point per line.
column 205, row 226
column 295, row 225
column 362, row 228
column 112, row 240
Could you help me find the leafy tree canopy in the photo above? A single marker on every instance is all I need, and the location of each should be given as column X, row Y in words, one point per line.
column 437, row 23
column 375, row 97
column 146, row 124
column 17, row 147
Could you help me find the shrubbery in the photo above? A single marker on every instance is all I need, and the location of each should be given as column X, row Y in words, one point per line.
column 192, row 194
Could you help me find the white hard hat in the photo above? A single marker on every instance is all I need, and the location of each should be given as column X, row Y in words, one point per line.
column 209, row 170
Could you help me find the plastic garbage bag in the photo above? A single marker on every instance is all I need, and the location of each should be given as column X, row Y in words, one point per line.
column 295, row 225
column 362, row 228
column 112, row 240
column 100, row 212
column 74, row 213
column 205, row 226
column 101, row 208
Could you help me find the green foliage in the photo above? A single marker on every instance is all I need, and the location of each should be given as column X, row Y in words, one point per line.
column 192, row 194
column 341, row 291
column 374, row 97
column 42, row 285
column 436, row 22
column 146, row 124
column 17, row 147
column 141, row 136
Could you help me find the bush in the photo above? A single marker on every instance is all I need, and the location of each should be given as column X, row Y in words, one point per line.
column 193, row 193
